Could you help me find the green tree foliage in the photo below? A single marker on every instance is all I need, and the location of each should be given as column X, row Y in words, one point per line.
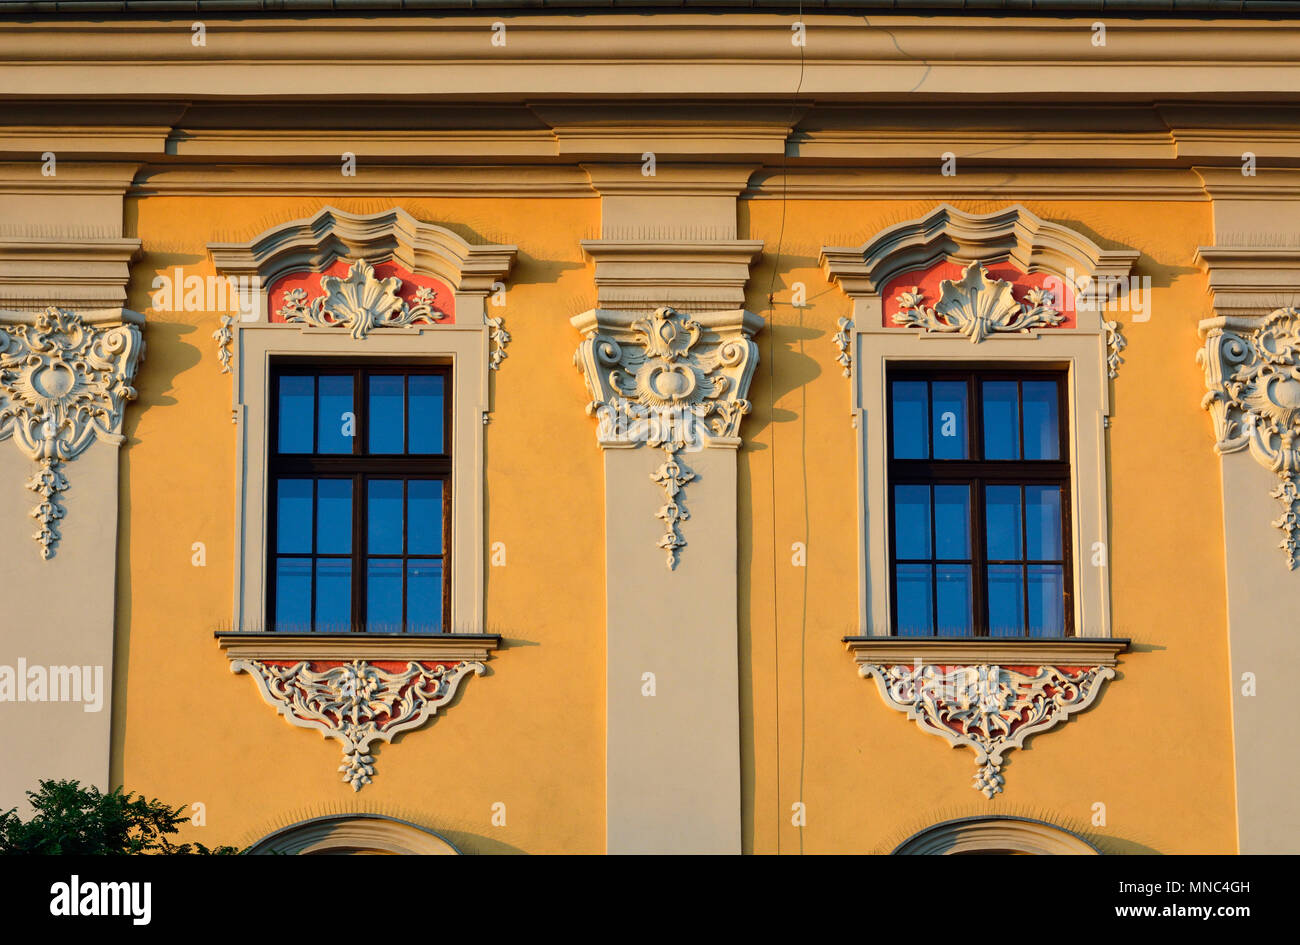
column 70, row 819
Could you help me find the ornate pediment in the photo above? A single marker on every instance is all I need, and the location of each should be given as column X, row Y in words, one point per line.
column 977, row 306
column 64, row 383
column 1252, row 372
column 360, row 302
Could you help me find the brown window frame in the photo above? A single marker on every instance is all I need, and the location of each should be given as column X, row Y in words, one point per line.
column 360, row 466
column 976, row 473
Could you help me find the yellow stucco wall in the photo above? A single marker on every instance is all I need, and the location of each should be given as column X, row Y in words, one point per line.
column 1155, row 749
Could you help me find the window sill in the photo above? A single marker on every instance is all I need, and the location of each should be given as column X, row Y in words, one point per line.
column 447, row 647
column 962, row 651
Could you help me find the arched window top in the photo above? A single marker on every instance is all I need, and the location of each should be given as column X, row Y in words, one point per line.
column 1000, row 834
column 353, row 834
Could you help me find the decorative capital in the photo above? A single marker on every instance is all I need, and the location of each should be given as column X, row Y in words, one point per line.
column 64, row 383
column 1252, row 377
column 989, row 708
column 977, row 306
column 357, row 702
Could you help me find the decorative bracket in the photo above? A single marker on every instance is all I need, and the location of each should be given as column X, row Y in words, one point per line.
column 673, row 381
column 1252, row 373
column 987, row 706
column 64, row 383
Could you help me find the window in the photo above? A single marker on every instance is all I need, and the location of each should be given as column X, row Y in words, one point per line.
column 979, row 479
column 360, row 493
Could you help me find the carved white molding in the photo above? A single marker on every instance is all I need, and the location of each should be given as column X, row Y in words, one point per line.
column 1115, row 343
column 843, row 344
column 64, row 383
column 223, row 336
column 360, row 302
column 977, row 306
column 357, row 702
column 1252, row 376
column 673, row 381
column 991, row 709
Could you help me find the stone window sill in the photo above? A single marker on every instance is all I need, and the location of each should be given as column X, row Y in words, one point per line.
column 965, row 651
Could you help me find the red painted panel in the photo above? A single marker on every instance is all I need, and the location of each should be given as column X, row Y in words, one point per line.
column 443, row 300
column 928, row 281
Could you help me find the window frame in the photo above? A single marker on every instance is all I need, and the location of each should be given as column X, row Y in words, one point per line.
column 976, row 474
column 360, row 466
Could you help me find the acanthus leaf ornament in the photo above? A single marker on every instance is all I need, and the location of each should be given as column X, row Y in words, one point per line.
column 64, row 383
column 990, row 709
column 977, row 306
column 1252, row 376
column 360, row 302
column 668, row 381
column 356, row 702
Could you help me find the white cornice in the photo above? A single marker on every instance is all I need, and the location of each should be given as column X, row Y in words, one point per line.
column 1069, row 651
column 315, row 646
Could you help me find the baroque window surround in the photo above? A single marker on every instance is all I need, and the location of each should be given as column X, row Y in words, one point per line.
column 988, row 694
column 311, row 679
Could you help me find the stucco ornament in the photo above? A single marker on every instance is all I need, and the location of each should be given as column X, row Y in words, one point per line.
column 360, row 302
column 63, row 384
column 357, row 702
column 1252, row 372
column 1115, row 343
column 673, row 384
column 977, row 306
column 843, row 345
column 991, row 709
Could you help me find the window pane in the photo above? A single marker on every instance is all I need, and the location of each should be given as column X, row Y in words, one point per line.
column 387, row 418
column 1001, row 421
column 384, row 516
column 293, row 595
column 912, row 521
column 949, row 418
column 953, row 589
column 424, row 596
column 1006, row 601
column 293, row 516
column 908, row 422
column 1042, row 435
column 424, row 517
column 333, row 516
column 1002, row 522
column 1043, row 523
column 294, row 415
column 333, row 595
column 384, row 596
column 426, row 413
column 914, row 600
column 336, row 424
column 1046, row 600
column 952, row 522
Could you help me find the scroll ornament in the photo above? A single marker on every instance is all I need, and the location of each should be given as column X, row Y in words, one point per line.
column 357, row 702
column 977, row 306
column 670, row 388
column 1252, row 372
column 991, row 709
column 63, row 384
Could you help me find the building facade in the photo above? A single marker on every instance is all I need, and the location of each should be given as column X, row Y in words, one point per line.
column 655, row 429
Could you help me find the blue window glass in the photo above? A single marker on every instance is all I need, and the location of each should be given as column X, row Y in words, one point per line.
column 335, row 420
column 1006, row 600
column 952, row 522
column 909, row 423
column 384, row 595
column 1043, row 523
column 1003, row 526
column 293, row 516
column 424, row 516
column 294, row 413
column 1046, row 600
column 915, row 600
column 912, row 521
column 1042, row 429
column 426, row 409
column 334, row 516
column 387, row 416
column 293, row 595
column 384, row 516
column 424, row 596
column 953, row 594
column 333, row 595
column 1001, row 420
column 948, row 419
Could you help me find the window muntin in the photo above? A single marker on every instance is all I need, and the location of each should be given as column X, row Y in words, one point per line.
column 979, row 503
column 360, row 498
